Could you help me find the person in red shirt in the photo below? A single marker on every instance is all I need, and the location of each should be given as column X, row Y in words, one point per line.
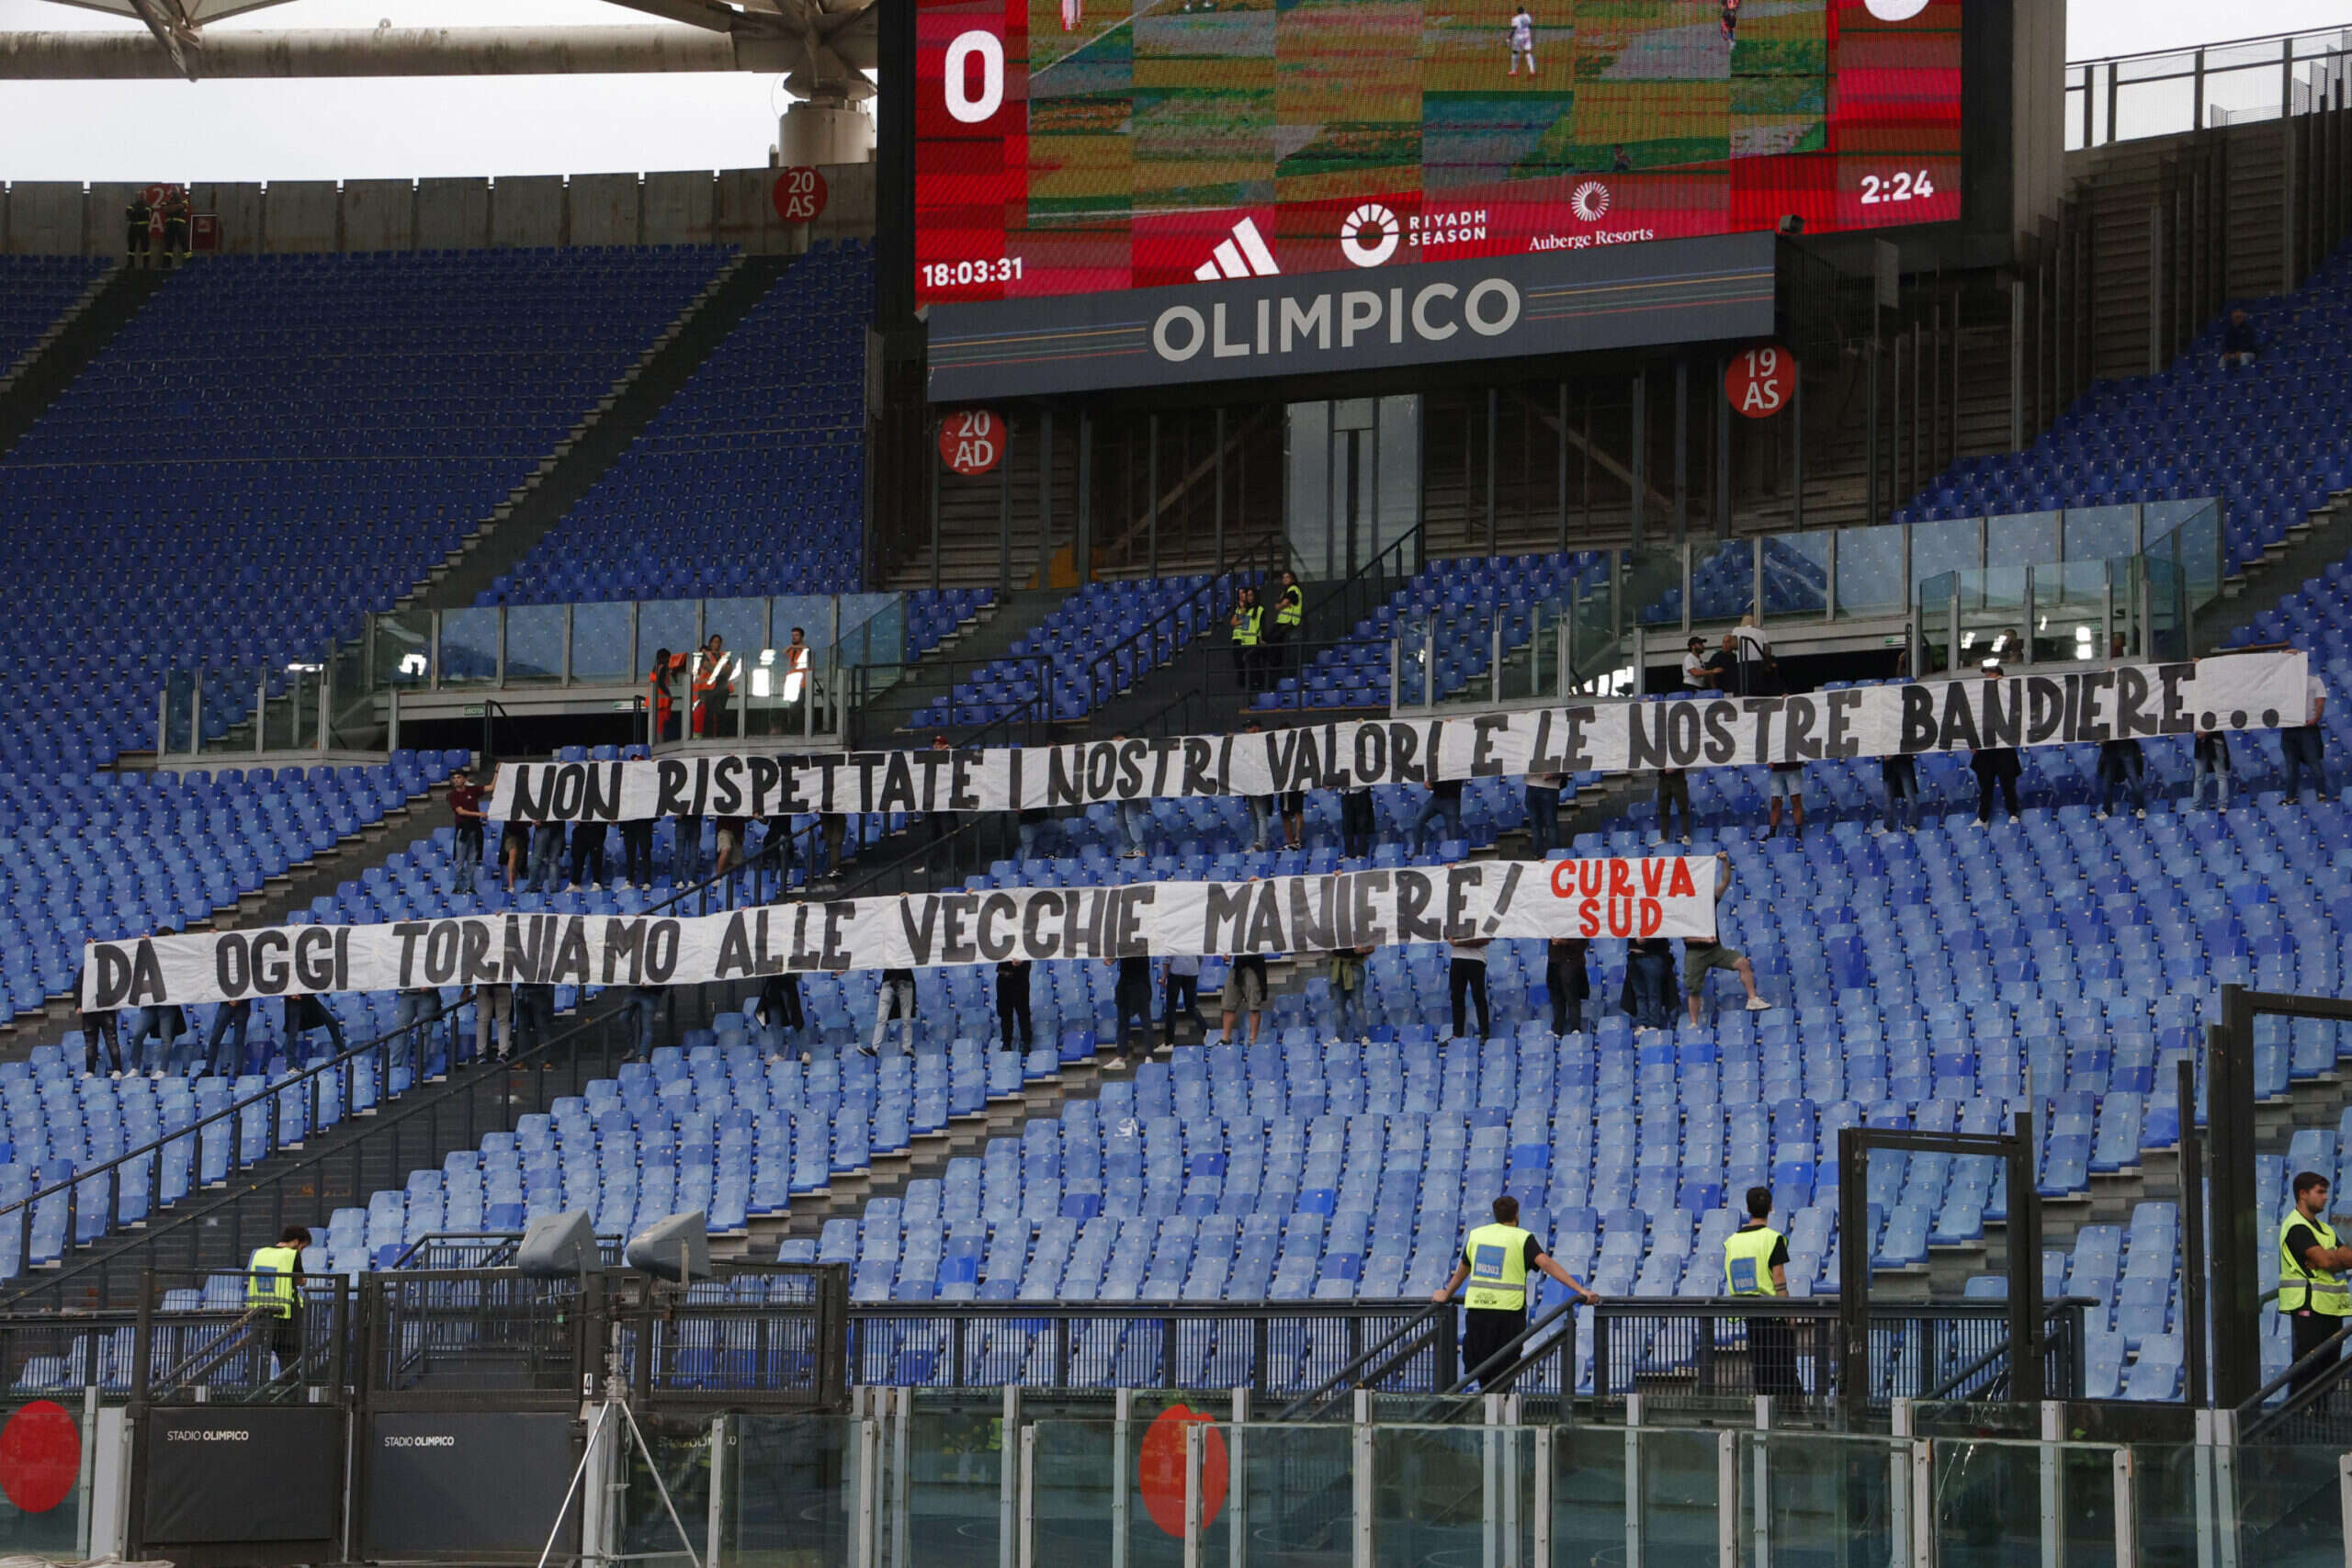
column 465, row 855
column 661, row 704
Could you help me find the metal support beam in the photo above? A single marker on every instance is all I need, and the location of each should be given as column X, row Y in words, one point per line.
column 407, row 52
column 1855, row 1146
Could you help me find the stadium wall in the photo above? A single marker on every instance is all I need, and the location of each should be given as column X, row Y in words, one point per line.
column 680, row 207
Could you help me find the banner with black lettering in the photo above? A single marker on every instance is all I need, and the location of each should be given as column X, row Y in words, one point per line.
column 1672, row 895
column 2246, row 691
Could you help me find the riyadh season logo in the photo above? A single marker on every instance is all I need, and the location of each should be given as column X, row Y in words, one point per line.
column 1590, row 201
column 1369, row 236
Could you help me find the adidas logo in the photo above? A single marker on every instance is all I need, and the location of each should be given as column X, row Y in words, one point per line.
column 1243, row 256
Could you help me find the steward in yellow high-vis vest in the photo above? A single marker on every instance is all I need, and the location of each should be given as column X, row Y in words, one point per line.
column 274, row 1291
column 1248, row 619
column 2312, row 1290
column 1756, row 1263
column 1496, row 1260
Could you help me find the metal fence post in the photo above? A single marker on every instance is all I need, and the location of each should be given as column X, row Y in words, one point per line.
column 2053, row 1483
column 1193, row 1433
column 1360, row 1476
column 715, row 1530
column 1025, row 1518
column 1898, row 1481
column 1539, row 1532
column 1923, row 1504
column 1728, row 1499
column 2127, row 1523
column 1122, row 1410
column 902, row 1400
column 1236, row 1492
column 1633, row 1467
column 1008, row 1480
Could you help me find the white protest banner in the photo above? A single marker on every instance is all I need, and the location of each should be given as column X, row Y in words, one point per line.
column 2145, row 702
column 1670, row 895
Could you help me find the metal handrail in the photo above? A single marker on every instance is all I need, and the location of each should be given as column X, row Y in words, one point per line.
column 1505, row 1365
column 2215, row 44
column 2254, row 1421
column 1321, row 1397
column 1101, row 666
column 2054, row 1311
column 409, row 1106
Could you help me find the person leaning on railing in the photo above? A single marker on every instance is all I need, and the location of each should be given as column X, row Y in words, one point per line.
column 1497, row 1259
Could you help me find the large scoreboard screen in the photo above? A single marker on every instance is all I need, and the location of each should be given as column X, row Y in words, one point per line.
column 1082, row 146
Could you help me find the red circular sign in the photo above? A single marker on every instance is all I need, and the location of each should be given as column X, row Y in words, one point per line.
column 971, row 441
column 1159, row 1469
column 40, row 1457
column 799, row 194
column 1761, row 380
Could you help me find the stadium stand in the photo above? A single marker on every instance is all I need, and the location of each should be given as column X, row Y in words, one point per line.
column 1086, row 651
column 1935, row 978
column 2271, row 438
column 35, row 292
column 255, row 400
column 751, row 479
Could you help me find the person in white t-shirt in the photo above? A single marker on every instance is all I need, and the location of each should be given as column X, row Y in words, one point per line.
column 1696, row 675
column 2304, row 748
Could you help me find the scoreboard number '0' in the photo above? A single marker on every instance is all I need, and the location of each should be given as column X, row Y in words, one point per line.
column 983, row 50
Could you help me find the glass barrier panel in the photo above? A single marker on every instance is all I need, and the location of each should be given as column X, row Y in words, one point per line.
column 2168, row 629
column 178, row 716
column 682, row 1458
column 1587, row 1494
column 1653, row 585
column 1679, row 1495
column 741, row 621
column 959, row 1460
column 1992, row 614
column 791, row 1492
column 1870, row 571
column 1291, row 1493
column 1723, row 580
column 1937, row 642
column 2161, row 517
column 1599, row 664
column 662, row 624
column 2291, row 1506
column 1459, row 1494
column 1076, row 1504
column 600, row 645
column 2095, row 532
column 1415, row 675
column 2005, row 1501
column 1956, row 544
column 468, row 654
column 40, row 1511
column 535, row 643
column 1811, row 1496
column 2020, row 538
column 873, row 628
column 2200, row 555
column 403, row 647
column 2072, row 618
column 1796, row 576
column 2164, row 1500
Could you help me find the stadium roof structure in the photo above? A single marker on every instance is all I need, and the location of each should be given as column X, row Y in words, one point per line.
column 822, row 47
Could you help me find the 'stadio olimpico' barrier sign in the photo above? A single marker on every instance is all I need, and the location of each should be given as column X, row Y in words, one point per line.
column 2072, row 707
column 1670, row 895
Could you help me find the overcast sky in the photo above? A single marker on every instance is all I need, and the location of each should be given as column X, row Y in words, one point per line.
column 526, row 125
